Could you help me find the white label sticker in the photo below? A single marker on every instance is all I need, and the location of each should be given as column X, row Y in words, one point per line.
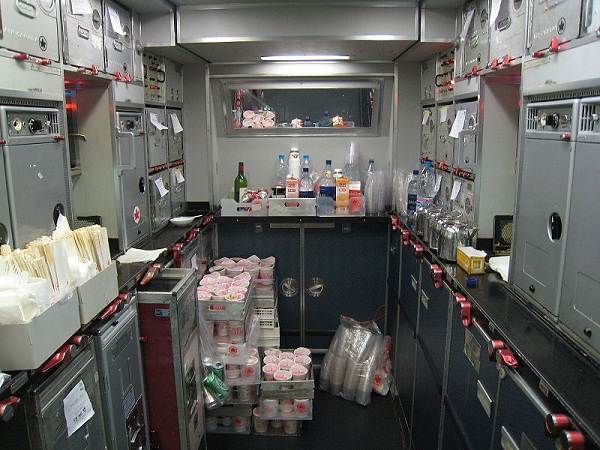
column 81, row 7
column 426, row 115
column 77, row 408
column 115, row 21
column 463, row 33
column 96, row 42
column 459, row 123
column 443, row 114
column 177, row 128
column 455, row 189
column 40, row 176
column 154, row 121
column 161, row 187
column 495, row 10
column 179, row 176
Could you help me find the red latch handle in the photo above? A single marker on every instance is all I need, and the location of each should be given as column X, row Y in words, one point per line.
column 538, row 54
column 556, row 423
column 127, row 78
column 115, row 306
column 466, row 313
column 395, row 222
column 8, row 407
column 554, row 45
column 405, row 235
column 572, row 440
column 505, row 357
column 493, row 346
column 565, row 136
column 494, row 65
column 436, row 273
column 22, row 56
column 459, row 298
column 80, row 340
column 208, row 219
column 117, row 75
column 506, row 61
column 151, row 274
column 65, row 353
column 59, row 138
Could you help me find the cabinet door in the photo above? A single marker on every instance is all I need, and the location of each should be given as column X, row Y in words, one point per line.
column 248, row 238
column 410, row 280
column 427, row 406
column 395, row 250
column 521, row 413
column 541, row 220
column 351, row 261
column 404, row 370
column 453, row 437
column 472, row 381
column 579, row 306
column 433, row 319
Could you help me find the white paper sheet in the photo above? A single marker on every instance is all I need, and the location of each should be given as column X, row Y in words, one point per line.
column 136, row 255
column 179, row 176
column 455, row 189
column 77, row 408
column 443, row 114
column 438, row 183
column 162, row 190
column 459, row 123
column 115, row 21
column 177, row 128
column 154, row 120
column 426, row 115
column 81, row 7
column 465, row 30
column 495, row 10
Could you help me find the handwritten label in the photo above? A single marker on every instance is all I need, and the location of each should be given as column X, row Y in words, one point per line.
column 443, row 114
column 115, row 21
column 455, row 190
column 81, row 7
column 77, row 407
column 154, row 120
column 177, row 128
column 459, row 123
column 425, row 117
column 179, row 176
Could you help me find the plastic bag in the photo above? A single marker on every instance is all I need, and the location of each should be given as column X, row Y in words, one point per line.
column 214, row 387
column 383, row 374
column 352, row 359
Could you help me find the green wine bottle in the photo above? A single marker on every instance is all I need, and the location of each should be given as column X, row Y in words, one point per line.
column 240, row 184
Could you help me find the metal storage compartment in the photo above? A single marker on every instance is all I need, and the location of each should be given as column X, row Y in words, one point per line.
column 177, row 189
column 167, row 308
column 552, row 23
column 156, row 136
column 428, row 123
column 476, row 50
column 118, row 41
column 160, row 199
column 428, row 79
column 541, row 220
column 83, row 35
column 507, row 30
column 175, row 134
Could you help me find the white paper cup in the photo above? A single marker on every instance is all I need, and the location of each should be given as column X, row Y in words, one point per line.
column 302, row 351
column 286, row 405
column 299, row 372
column 265, row 273
column 250, row 370
column 269, row 407
column 222, row 328
column 232, row 370
column 226, row 421
column 271, row 359
column 301, row 407
column 244, row 393
column 290, row 426
column 269, row 371
column 240, row 424
column 260, row 424
column 276, row 423
column 286, row 364
column 282, row 375
column 287, row 355
column 303, row 360
column 211, row 423
column 236, row 331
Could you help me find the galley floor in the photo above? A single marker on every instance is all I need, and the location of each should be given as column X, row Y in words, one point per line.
column 336, row 424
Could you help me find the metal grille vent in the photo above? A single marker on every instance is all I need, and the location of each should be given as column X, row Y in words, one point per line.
column 531, row 124
column 589, row 118
column 24, row 102
column 54, row 127
column 565, row 95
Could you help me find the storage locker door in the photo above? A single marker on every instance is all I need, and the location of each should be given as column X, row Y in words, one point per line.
column 410, row 280
column 553, row 19
column 541, row 212
column 405, row 364
column 579, row 306
column 427, row 405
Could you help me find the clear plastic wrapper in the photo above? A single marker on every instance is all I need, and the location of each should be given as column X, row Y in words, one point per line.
column 350, row 364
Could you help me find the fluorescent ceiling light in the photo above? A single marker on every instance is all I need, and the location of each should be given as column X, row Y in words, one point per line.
column 305, row 58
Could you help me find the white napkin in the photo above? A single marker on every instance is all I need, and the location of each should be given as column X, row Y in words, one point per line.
column 136, row 255
column 500, row 264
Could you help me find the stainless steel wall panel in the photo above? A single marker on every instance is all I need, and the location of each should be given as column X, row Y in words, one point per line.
column 29, row 80
column 553, row 19
column 428, row 79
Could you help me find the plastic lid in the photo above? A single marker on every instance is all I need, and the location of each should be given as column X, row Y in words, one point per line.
column 281, row 156
column 427, row 163
column 371, row 161
column 305, row 169
column 472, row 282
column 326, row 112
column 327, row 161
column 415, row 172
column 305, row 156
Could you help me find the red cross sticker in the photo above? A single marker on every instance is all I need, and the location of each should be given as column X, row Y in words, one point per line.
column 137, row 214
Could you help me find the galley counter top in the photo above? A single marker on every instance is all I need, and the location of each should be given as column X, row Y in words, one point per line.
column 572, row 375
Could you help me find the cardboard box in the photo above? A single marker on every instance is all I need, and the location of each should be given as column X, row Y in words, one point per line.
column 97, row 293
column 472, row 261
column 27, row 346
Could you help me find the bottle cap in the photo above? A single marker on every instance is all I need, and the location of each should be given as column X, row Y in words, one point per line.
column 472, row 282
column 281, row 156
column 327, row 161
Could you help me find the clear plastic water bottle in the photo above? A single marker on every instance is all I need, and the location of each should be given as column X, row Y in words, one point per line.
column 325, row 121
column 351, row 167
column 281, row 171
column 370, row 170
column 306, row 164
column 412, row 193
column 306, row 185
column 426, row 185
column 327, row 182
